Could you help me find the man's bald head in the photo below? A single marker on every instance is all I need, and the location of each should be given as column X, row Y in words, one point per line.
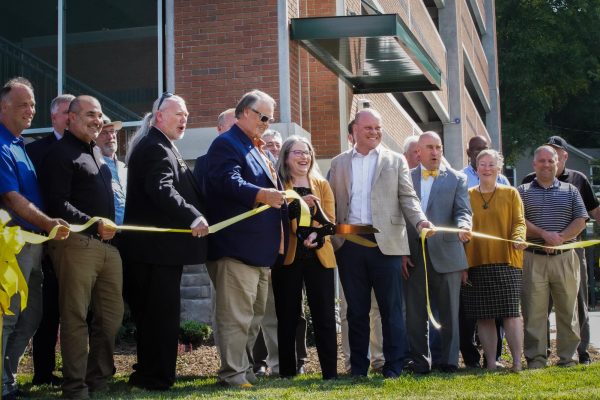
column 476, row 145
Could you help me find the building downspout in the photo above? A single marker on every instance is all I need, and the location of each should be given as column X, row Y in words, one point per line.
column 283, row 43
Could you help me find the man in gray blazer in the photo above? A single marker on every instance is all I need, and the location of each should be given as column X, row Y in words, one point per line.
column 372, row 186
column 444, row 197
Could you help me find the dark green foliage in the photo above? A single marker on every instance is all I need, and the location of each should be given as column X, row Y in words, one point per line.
column 194, row 333
column 549, row 63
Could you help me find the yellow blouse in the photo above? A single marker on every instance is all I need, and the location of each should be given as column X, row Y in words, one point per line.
column 504, row 218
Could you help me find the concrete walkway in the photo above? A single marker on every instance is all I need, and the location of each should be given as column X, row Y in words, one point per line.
column 594, row 328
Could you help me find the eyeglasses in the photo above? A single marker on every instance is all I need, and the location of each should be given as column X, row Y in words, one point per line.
column 299, row 153
column 164, row 96
column 263, row 118
column 110, row 132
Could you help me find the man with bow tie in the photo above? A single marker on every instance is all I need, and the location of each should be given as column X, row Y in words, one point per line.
column 444, row 197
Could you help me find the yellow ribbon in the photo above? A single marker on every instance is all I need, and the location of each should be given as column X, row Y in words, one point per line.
column 12, row 281
column 424, row 231
column 30, row 237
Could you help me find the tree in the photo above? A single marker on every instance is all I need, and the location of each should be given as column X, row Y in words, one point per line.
column 549, row 62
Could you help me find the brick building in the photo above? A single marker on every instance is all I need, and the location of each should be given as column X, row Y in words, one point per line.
column 424, row 64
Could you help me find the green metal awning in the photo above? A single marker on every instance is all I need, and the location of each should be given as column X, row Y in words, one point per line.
column 372, row 53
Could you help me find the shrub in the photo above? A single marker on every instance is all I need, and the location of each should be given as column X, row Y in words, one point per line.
column 194, row 333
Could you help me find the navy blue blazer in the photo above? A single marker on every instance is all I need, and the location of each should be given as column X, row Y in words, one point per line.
column 235, row 172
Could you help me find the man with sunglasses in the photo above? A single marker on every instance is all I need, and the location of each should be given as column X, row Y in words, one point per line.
column 241, row 176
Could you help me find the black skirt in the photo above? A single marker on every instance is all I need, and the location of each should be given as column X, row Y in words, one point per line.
column 493, row 291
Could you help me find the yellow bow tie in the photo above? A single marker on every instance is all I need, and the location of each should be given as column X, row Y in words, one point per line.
column 426, row 173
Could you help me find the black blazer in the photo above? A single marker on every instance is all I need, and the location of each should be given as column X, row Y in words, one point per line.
column 37, row 150
column 161, row 192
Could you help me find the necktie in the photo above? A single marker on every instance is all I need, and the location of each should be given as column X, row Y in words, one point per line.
column 426, row 173
column 259, row 143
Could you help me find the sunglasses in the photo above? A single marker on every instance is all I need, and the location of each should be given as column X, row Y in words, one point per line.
column 263, row 118
column 164, row 96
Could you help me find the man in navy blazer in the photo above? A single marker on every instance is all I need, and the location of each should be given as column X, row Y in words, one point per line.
column 239, row 177
column 162, row 192
column 444, row 197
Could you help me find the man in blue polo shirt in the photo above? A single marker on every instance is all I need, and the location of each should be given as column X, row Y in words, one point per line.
column 20, row 196
column 555, row 214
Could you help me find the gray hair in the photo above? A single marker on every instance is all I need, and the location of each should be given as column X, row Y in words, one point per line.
column 221, row 118
column 409, row 141
column 148, row 121
column 58, row 100
column 286, row 147
column 271, row 133
column 12, row 83
column 546, row 148
column 249, row 99
column 494, row 154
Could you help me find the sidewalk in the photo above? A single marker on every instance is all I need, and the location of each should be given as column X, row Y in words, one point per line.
column 594, row 328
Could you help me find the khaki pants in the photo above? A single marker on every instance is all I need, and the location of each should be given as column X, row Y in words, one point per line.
column 90, row 276
column 241, row 297
column 545, row 275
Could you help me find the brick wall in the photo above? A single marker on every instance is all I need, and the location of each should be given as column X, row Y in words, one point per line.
column 224, row 48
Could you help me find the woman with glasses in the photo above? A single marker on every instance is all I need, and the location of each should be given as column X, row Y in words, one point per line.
column 493, row 287
column 309, row 261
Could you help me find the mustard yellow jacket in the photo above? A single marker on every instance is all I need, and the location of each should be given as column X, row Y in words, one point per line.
column 320, row 188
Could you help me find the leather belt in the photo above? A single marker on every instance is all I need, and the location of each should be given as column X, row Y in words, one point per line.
column 543, row 252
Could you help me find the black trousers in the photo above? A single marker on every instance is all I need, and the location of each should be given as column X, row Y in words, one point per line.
column 153, row 296
column 260, row 353
column 44, row 340
column 287, row 289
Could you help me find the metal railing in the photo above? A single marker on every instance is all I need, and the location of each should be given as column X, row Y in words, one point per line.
column 16, row 61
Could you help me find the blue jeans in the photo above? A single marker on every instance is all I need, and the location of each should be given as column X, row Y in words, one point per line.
column 362, row 269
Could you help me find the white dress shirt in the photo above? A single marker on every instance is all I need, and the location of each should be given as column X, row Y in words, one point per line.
column 426, row 184
column 363, row 169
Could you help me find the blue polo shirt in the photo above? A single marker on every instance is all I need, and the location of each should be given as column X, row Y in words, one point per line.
column 17, row 174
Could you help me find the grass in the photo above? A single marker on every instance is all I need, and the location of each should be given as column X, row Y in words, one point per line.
column 578, row 382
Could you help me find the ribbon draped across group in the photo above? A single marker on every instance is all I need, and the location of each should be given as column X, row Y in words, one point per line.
column 12, row 240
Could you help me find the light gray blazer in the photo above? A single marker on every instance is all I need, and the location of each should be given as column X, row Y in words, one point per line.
column 393, row 199
column 448, row 206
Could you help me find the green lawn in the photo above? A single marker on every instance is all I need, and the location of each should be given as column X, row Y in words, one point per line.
column 557, row 383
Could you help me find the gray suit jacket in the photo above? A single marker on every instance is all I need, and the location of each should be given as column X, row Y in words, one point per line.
column 392, row 199
column 448, row 206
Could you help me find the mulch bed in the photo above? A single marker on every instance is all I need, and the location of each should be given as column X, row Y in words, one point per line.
column 204, row 360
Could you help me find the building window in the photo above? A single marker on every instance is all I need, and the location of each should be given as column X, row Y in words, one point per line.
column 28, row 47
column 109, row 49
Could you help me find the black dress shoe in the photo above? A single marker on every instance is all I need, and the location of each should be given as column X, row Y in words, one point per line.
column 388, row 374
column 583, row 360
column 301, row 370
column 413, row 368
column 261, row 371
column 52, row 380
column 448, row 368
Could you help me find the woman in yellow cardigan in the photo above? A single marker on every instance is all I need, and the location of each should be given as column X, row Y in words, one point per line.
column 493, row 289
column 308, row 263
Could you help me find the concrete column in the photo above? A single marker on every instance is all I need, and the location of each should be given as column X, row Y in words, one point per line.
column 449, row 18
column 283, row 42
column 492, row 118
